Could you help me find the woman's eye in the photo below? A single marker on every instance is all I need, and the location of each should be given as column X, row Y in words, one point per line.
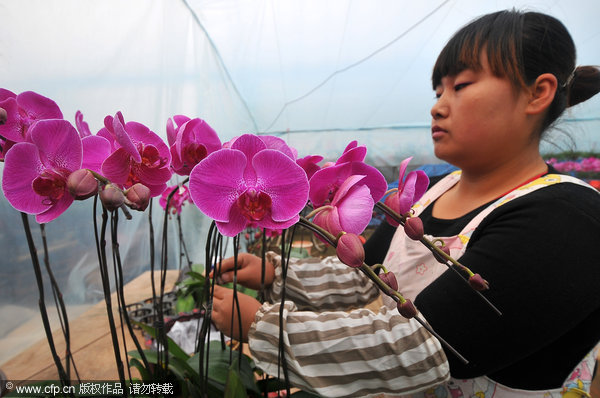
column 460, row 86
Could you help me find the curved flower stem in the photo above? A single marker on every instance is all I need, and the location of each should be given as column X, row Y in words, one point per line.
column 318, row 210
column 439, row 252
column 378, row 267
column 396, row 296
column 41, row 302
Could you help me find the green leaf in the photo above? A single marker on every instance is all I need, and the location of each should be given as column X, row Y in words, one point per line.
column 171, row 345
column 145, row 373
column 196, row 275
column 218, row 367
column 234, row 387
column 185, row 304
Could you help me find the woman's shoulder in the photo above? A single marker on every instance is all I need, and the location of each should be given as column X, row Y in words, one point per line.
column 571, row 202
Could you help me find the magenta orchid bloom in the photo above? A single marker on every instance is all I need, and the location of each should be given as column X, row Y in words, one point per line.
column 140, row 156
column 350, row 210
column 410, row 190
column 249, row 185
column 325, row 183
column 35, row 174
column 181, row 195
column 310, row 164
column 190, row 142
column 24, row 110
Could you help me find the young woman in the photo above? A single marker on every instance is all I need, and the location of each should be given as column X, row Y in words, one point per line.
column 500, row 82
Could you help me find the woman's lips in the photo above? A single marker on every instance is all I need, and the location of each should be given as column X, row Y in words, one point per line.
column 437, row 132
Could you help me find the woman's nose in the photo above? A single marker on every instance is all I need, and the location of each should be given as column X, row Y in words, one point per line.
column 439, row 109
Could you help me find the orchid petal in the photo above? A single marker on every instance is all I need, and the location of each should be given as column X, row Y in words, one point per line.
column 277, row 143
column 12, row 129
column 329, row 220
column 116, row 167
column 38, row 107
column 345, row 187
column 140, row 133
column 4, row 94
column 171, row 132
column 309, row 164
column 283, row 180
column 271, row 224
column 95, row 150
column 153, row 175
column 250, row 145
column 356, row 209
column 21, row 167
column 373, row 179
column 414, row 187
column 58, row 143
column 55, row 210
column 82, row 127
column 325, row 181
column 403, row 166
column 217, row 181
column 236, row 224
column 356, row 154
column 124, row 139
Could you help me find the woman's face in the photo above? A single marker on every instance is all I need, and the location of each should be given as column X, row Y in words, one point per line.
column 479, row 119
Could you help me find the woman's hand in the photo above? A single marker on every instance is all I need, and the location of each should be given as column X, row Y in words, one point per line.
column 224, row 307
column 248, row 272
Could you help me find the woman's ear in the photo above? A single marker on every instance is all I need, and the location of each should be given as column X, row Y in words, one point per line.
column 542, row 93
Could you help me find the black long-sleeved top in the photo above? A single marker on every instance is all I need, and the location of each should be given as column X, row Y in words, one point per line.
column 540, row 254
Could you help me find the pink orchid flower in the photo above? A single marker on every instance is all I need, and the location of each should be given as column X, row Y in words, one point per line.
column 35, row 174
column 140, row 156
column 249, row 185
column 410, row 190
column 190, row 142
column 182, row 195
column 325, row 183
column 350, row 209
column 22, row 111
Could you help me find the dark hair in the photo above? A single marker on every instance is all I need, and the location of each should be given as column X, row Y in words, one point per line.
column 521, row 46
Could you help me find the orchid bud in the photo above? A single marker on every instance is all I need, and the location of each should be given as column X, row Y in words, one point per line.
column 350, row 250
column 478, row 283
column 82, row 184
column 3, row 116
column 407, row 309
column 392, row 201
column 389, row 278
column 413, row 227
column 138, row 196
column 112, row 197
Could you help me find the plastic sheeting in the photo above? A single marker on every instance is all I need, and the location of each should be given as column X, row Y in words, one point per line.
column 317, row 73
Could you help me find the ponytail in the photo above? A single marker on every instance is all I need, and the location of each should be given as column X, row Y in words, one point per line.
column 584, row 84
